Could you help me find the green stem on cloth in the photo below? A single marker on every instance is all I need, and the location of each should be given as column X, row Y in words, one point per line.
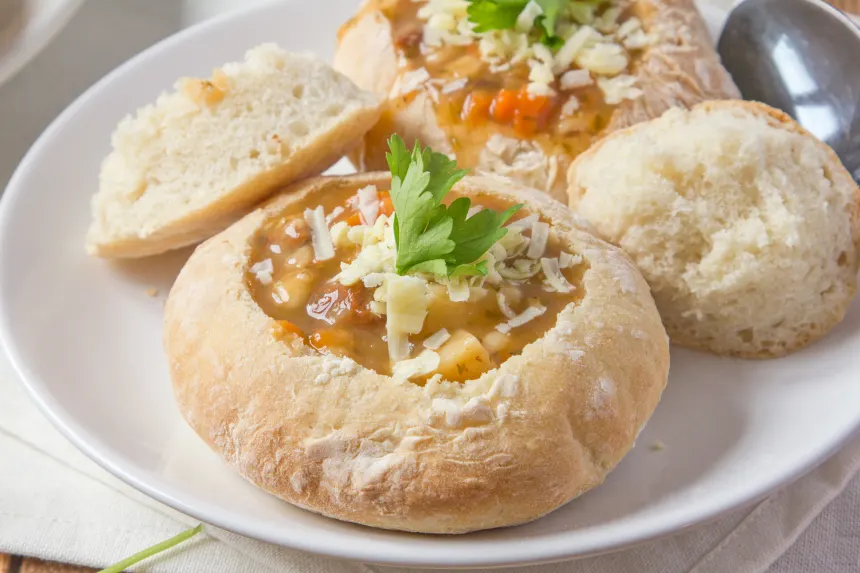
column 155, row 549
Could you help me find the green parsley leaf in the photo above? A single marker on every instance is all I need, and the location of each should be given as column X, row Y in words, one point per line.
column 434, row 267
column 547, row 21
column 489, row 15
column 431, row 237
column 477, row 269
column 474, row 236
column 583, row 12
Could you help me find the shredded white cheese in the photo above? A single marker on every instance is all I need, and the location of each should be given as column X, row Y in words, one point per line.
column 526, row 19
column 503, row 305
column 377, row 254
column 570, row 106
column 522, row 269
column 566, row 260
column 540, row 236
column 368, row 204
column 410, row 81
column 424, row 363
column 617, row 89
column 584, row 37
column 373, row 280
column 455, row 85
column 275, row 248
column 437, row 339
column 554, row 276
column 291, row 231
column 525, row 316
column 263, row 271
column 406, row 308
column 603, row 59
column 458, row 290
column 335, row 213
column 575, row 79
column 340, row 234
column 524, row 223
column 596, row 44
column 280, row 294
column 320, row 236
column 628, row 28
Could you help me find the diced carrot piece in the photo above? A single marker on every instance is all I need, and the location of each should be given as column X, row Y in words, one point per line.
column 476, row 108
column 334, row 340
column 524, row 126
column 504, row 105
column 532, row 112
column 535, row 106
column 386, row 205
column 285, row 327
column 354, row 219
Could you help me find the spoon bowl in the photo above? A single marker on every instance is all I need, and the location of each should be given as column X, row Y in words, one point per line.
column 803, row 57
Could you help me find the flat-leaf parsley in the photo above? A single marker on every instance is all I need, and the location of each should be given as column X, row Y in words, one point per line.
column 486, row 15
column 432, row 237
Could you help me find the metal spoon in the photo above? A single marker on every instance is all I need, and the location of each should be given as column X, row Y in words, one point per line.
column 803, row 57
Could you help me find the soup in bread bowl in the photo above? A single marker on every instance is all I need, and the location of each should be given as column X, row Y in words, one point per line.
column 416, row 350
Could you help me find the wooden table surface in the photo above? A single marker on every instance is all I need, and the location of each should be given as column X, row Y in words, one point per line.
column 17, row 564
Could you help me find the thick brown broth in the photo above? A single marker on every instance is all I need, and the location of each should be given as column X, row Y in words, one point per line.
column 336, row 319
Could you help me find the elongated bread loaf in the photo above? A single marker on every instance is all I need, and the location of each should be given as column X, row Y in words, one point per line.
column 201, row 157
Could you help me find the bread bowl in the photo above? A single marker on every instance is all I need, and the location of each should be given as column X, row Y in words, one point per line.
column 291, row 380
column 186, row 166
column 502, row 101
column 746, row 226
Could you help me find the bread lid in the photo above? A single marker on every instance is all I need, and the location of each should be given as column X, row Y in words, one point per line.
column 202, row 156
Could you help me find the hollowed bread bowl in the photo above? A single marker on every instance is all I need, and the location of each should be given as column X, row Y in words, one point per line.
column 331, row 436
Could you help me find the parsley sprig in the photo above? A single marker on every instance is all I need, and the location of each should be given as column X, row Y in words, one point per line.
column 432, row 237
column 489, row 15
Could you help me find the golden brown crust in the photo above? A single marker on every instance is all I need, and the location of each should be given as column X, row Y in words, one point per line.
column 444, row 458
column 680, row 70
column 838, row 175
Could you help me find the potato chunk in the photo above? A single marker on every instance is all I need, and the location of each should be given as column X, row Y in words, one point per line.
column 463, row 358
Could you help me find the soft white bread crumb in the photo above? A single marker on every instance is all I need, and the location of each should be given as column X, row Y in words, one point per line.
column 746, row 227
column 202, row 156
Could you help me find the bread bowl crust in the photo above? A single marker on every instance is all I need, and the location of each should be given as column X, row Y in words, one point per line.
column 838, row 175
column 680, row 69
column 504, row 449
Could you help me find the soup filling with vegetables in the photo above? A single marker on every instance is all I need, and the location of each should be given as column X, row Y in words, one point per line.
column 549, row 71
column 413, row 281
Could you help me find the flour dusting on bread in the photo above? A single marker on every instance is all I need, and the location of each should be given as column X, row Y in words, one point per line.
column 746, row 227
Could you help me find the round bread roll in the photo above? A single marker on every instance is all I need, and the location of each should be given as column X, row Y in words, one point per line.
column 334, row 437
column 623, row 62
column 746, row 226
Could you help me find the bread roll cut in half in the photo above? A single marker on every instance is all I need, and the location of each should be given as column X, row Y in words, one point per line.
column 420, row 401
column 746, row 226
column 202, row 156
column 507, row 89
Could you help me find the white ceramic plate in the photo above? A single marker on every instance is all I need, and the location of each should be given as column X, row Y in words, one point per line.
column 86, row 340
column 27, row 28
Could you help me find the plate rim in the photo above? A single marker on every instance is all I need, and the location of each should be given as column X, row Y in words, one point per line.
column 555, row 547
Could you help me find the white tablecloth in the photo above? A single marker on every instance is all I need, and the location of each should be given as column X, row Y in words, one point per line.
column 56, row 504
